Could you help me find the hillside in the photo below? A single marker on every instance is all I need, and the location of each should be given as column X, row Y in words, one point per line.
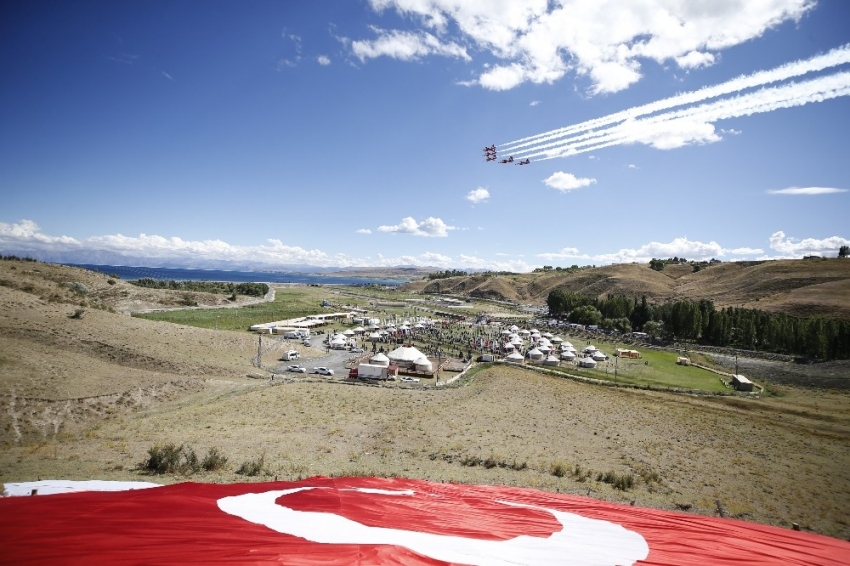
column 796, row 287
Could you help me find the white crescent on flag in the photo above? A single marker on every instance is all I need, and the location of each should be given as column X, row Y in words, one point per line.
column 372, row 521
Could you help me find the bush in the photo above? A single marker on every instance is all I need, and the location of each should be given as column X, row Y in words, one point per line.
column 623, row 482
column 252, row 467
column 171, row 459
column 558, row 469
column 78, row 288
column 77, row 314
column 214, row 460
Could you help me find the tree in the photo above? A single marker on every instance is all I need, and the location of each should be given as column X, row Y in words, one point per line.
column 844, row 251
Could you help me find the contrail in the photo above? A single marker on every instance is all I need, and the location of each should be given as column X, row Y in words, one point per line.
column 833, row 58
column 641, row 130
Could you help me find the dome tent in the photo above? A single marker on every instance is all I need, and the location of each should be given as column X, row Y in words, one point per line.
column 514, row 358
column 379, row 360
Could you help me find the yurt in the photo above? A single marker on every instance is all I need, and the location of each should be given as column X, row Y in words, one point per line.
column 547, row 335
column 568, row 356
column 379, row 359
column 339, row 342
column 509, row 347
column 587, row 363
column 374, row 336
column 557, row 340
column 599, row 356
column 405, row 356
column 525, row 332
column 514, row 358
column 551, row 361
column 424, row 364
column 535, row 354
column 544, row 348
column 514, row 328
column 349, row 333
column 359, row 330
column 516, row 341
column 589, row 349
column 566, row 345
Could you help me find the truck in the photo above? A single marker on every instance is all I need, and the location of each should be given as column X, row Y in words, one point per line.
column 371, row 371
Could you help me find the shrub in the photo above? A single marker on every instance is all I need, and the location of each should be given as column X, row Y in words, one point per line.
column 623, row 482
column 252, row 467
column 214, row 460
column 78, row 288
column 171, row 459
column 558, row 469
column 77, row 314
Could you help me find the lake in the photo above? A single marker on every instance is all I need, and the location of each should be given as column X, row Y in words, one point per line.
column 181, row 274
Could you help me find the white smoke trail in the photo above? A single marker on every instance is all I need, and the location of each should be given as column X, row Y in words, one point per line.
column 643, row 130
column 833, row 58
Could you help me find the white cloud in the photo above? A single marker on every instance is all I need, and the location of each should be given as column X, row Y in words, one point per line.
column 26, row 234
column 167, row 76
column 790, row 247
column 695, row 60
column 406, row 46
column 479, row 195
column 605, row 40
column 534, row 103
column 806, row 191
column 566, row 182
column 430, row 227
column 363, row 231
column 323, row 60
column 632, row 166
column 564, row 253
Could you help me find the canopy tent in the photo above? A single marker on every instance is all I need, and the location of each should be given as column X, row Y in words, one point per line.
column 374, row 336
column 371, row 521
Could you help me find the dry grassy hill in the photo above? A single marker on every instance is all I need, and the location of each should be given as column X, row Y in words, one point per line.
column 66, row 356
column 797, row 287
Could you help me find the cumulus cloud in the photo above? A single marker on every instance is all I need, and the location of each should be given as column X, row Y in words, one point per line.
column 564, row 253
column 806, row 191
column 406, row 46
column 363, row 231
column 789, row 247
column 430, row 227
column 479, row 195
column 323, row 60
column 606, row 41
column 566, row 182
column 26, row 234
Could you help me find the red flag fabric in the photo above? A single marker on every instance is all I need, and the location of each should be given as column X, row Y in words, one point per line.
column 369, row 521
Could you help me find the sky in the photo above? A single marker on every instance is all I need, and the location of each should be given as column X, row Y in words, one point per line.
column 351, row 133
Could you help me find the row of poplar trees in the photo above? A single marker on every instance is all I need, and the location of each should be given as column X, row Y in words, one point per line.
column 699, row 321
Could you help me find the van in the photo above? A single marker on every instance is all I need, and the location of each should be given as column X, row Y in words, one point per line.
column 290, row 355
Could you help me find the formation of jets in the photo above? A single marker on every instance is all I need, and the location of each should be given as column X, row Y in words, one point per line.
column 490, row 155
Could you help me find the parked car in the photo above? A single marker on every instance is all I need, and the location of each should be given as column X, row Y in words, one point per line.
column 408, row 379
column 297, row 369
column 323, row 371
column 290, row 355
column 357, row 350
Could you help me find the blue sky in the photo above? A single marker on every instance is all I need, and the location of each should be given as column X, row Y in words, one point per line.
column 350, row 133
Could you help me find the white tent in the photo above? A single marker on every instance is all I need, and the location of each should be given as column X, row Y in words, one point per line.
column 599, row 356
column 524, row 332
column 359, row 330
column 338, row 342
column 547, row 335
column 349, row 333
column 568, row 356
column 589, row 349
column 509, row 347
column 405, row 356
column 551, row 361
column 587, row 363
column 374, row 337
column 424, row 364
column 535, row 354
column 514, row 358
column 379, row 359
column 557, row 340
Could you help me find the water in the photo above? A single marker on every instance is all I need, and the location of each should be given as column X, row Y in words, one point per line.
column 180, row 274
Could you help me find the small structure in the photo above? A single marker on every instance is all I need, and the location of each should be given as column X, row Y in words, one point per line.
column 599, row 356
column 568, row 356
column 379, row 359
column 514, row 358
column 535, row 355
column 587, row 363
column 624, row 353
column 683, row 361
column 405, row 356
column 741, row 383
column 551, row 361
column 424, row 364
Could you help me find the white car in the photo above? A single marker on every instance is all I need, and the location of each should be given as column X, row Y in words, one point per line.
column 297, row 369
column 356, row 350
column 407, row 379
column 323, row 371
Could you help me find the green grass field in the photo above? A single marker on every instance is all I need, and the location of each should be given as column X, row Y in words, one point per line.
column 288, row 303
column 661, row 371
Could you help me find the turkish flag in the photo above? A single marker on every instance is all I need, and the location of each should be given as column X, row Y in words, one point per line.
column 330, row 521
